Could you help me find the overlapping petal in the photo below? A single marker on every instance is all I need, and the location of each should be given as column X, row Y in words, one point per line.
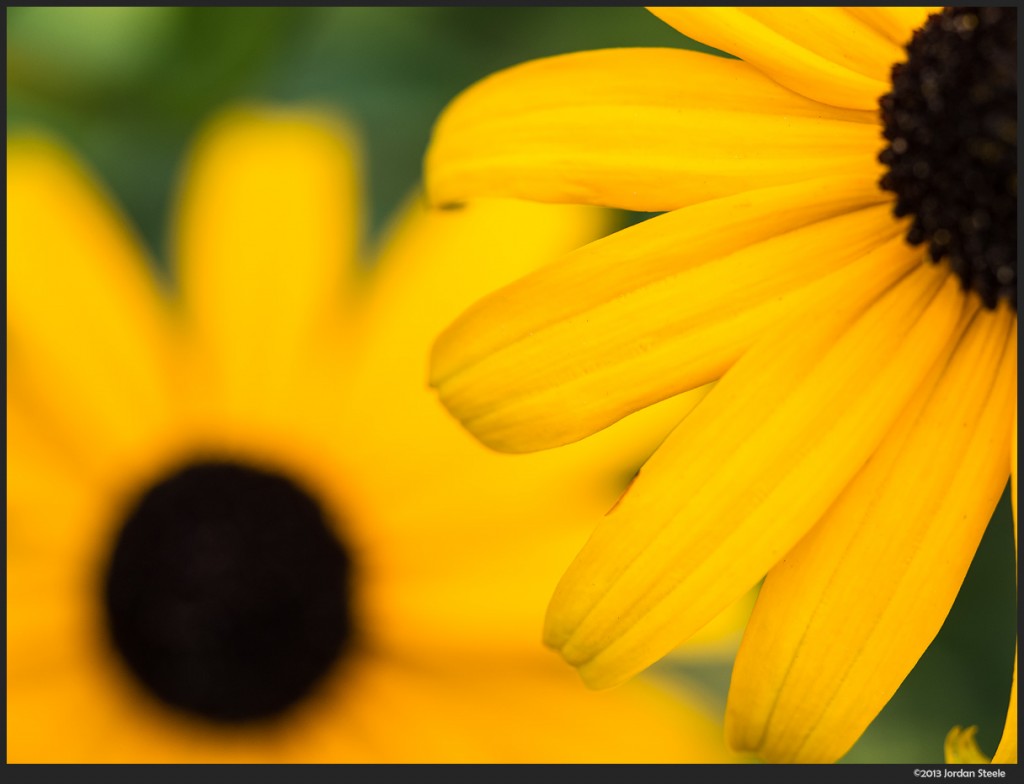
column 372, row 411
column 842, row 619
column 825, row 54
column 529, row 368
column 835, row 34
column 641, row 129
column 897, row 23
column 749, row 472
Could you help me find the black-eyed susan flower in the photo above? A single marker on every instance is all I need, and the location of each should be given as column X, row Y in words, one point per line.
column 838, row 254
column 240, row 528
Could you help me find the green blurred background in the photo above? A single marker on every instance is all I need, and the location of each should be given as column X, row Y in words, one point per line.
column 128, row 88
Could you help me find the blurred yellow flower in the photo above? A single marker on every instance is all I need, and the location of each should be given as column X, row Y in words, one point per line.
column 240, row 528
column 857, row 438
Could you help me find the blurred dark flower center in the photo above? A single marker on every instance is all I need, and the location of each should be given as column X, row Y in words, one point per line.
column 951, row 124
column 227, row 593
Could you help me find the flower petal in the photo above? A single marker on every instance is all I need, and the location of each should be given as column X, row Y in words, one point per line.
column 749, row 472
column 1007, row 750
column 266, row 240
column 641, row 129
column 842, row 620
column 1013, row 475
column 88, row 336
column 814, row 60
column 656, row 309
column 434, row 542
column 40, row 711
column 835, row 34
column 961, row 747
column 456, row 706
column 897, row 24
column 431, row 267
column 38, row 518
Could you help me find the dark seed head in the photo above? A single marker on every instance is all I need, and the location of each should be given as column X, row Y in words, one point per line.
column 951, row 124
column 227, row 594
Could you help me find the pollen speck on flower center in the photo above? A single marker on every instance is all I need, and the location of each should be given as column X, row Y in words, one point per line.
column 951, row 124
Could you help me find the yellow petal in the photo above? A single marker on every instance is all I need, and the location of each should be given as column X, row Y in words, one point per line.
column 50, row 612
column 641, row 129
column 1007, row 749
column 433, row 541
column 455, row 706
column 40, row 712
column 1013, row 474
column 657, row 309
column 1006, row 752
column 433, row 263
column 88, row 336
column 836, row 35
column 35, row 466
column 749, row 472
column 846, row 615
column 961, row 747
column 897, row 24
column 126, row 725
column 266, row 241
column 719, row 639
column 815, row 64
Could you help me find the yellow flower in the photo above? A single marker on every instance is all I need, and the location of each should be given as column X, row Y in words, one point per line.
column 857, row 437
column 240, row 527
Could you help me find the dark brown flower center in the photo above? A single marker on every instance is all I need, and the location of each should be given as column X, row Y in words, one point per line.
column 951, row 124
column 227, row 594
